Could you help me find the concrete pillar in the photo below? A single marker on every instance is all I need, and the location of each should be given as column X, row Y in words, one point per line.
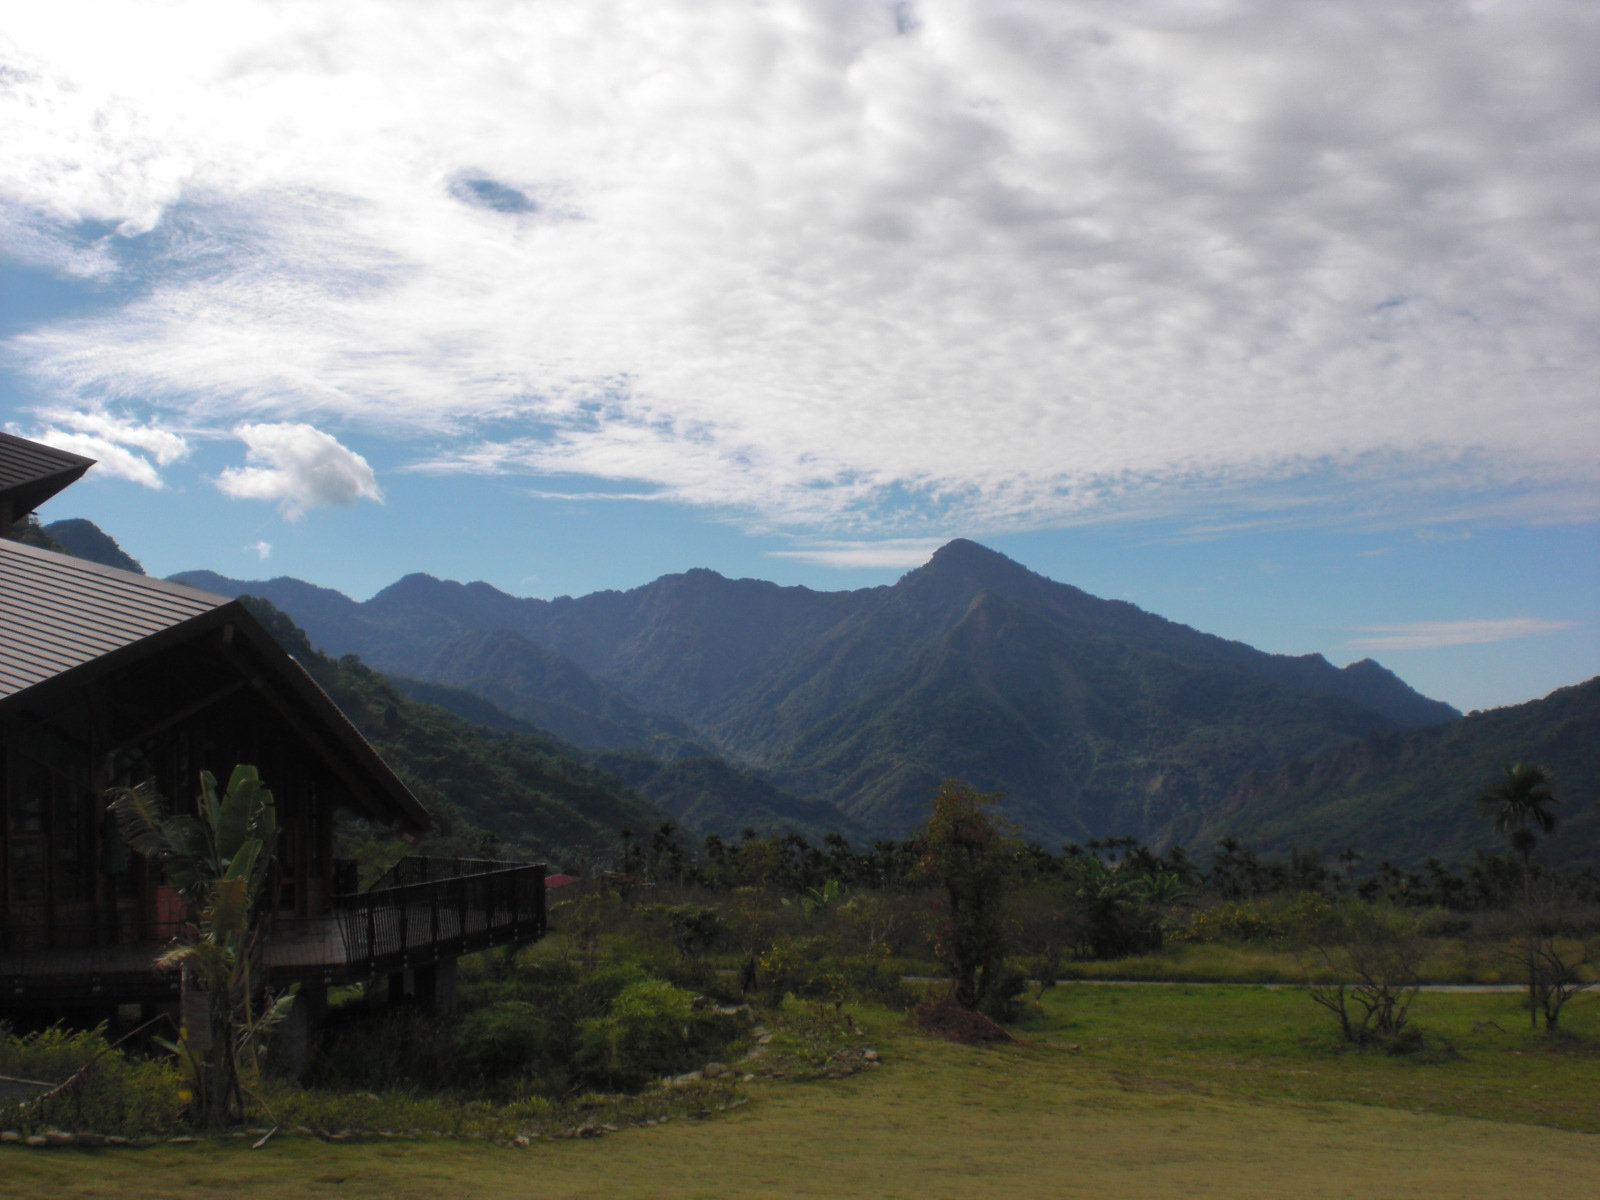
column 436, row 987
column 402, row 987
column 298, row 1036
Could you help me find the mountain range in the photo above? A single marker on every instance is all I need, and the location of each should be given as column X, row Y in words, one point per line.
column 1092, row 716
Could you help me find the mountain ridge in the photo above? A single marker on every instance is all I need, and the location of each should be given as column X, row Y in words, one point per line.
column 1093, row 715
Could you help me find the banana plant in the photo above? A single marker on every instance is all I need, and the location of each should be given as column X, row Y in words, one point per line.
column 219, row 860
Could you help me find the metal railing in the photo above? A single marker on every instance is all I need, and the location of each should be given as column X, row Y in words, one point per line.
column 424, row 910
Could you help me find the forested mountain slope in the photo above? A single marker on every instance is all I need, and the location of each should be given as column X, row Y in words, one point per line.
column 1094, row 716
column 1407, row 796
column 524, row 787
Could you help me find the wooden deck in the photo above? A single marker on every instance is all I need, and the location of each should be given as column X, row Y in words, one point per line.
column 451, row 909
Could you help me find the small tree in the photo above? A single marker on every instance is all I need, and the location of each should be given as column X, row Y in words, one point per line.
column 1556, row 947
column 964, row 853
column 1374, row 953
column 218, row 860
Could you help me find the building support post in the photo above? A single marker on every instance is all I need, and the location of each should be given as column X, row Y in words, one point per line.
column 298, row 1036
column 436, row 987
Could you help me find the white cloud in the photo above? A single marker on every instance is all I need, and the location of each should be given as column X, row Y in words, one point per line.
column 262, row 549
column 122, row 448
column 891, row 552
column 1013, row 262
column 300, row 467
column 1431, row 635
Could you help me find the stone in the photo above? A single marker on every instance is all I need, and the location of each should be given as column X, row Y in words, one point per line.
column 10, row 1135
column 870, row 1055
column 60, row 1137
column 35, row 1141
column 713, row 1069
column 522, row 1141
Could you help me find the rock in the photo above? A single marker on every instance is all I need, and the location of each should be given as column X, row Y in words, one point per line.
column 35, row 1141
column 747, row 1078
column 870, row 1055
column 689, row 1077
column 608, row 1128
column 10, row 1135
column 713, row 1069
column 181, row 1141
column 764, row 1039
column 91, row 1139
column 114, row 1140
column 521, row 1141
column 60, row 1137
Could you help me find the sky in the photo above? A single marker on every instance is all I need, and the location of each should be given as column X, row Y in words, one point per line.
column 1281, row 320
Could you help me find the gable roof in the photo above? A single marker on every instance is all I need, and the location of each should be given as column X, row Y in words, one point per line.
column 65, row 621
column 57, row 613
column 30, row 473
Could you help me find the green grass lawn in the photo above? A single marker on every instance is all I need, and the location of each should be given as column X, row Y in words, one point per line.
column 1450, row 961
column 1480, row 1059
column 1183, row 1091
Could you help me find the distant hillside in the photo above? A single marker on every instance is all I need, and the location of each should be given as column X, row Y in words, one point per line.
column 1408, row 796
column 1093, row 716
column 29, row 532
column 708, row 795
column 526, row 788
column 86, row 540
column 555, row 693
column 702, row 793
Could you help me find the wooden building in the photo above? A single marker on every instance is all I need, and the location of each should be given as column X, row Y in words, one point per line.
column 109, row 677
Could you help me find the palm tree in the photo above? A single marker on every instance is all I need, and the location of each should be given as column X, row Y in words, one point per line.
column 1521, row 798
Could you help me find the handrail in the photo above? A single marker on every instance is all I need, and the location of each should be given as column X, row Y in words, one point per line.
column 459, row 906
column 454, row 911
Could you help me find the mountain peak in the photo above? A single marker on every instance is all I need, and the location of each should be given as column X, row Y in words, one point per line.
column 966, row 557
column 965, row 564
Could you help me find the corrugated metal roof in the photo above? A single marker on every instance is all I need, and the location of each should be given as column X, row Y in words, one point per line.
column 57, row 613
column 30, row 473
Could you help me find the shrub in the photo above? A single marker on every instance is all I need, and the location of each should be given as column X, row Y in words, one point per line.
column 120, row 1093
column 652, row 1029
column 501, row 1040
